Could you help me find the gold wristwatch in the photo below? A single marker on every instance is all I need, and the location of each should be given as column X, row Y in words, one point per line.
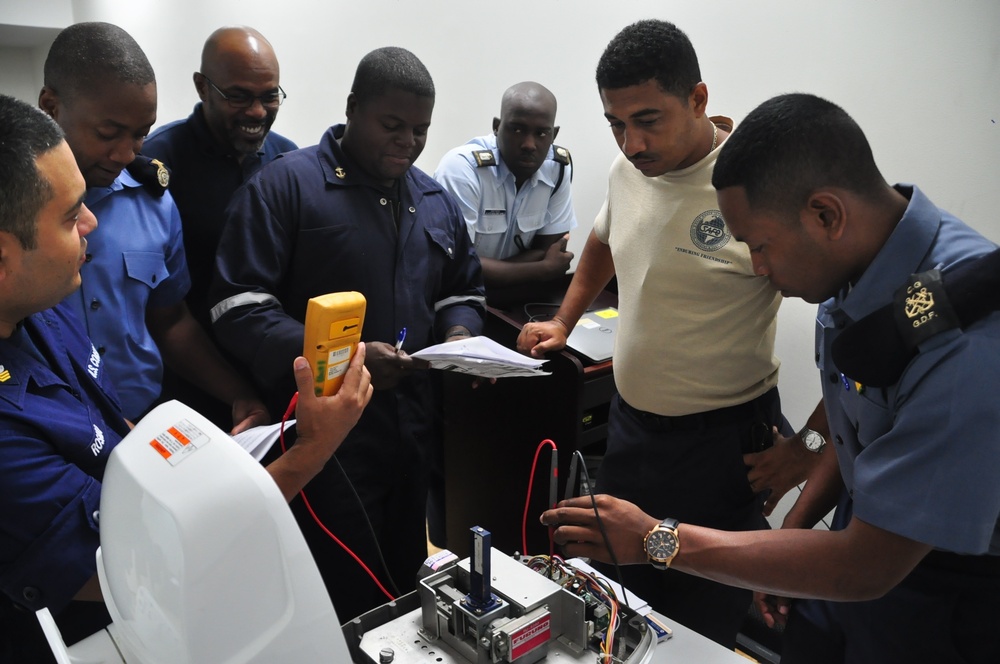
column 661, row 543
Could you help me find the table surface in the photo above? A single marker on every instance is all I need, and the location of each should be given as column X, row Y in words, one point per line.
column 689, row 646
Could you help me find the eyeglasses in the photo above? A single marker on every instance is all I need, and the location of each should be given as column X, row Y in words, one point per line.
column 267, row 100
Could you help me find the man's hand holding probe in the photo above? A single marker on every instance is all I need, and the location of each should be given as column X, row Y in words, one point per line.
column 577, row 530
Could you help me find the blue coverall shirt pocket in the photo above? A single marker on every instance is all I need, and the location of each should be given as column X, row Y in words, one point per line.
column 145, row 270
column 443, row 240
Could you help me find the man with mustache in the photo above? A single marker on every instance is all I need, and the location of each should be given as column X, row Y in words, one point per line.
column 225, row 140
column 910, row 568
column 694, row 359
column 59, row 414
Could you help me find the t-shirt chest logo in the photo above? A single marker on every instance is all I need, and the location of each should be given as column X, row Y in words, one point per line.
column 709, row 232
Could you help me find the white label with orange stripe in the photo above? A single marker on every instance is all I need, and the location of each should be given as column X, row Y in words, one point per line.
column 177, row 442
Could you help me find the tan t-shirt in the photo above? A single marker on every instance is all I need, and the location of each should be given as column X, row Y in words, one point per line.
column 697, row 327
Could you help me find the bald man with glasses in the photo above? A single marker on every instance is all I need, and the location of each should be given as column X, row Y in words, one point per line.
column 225, row 140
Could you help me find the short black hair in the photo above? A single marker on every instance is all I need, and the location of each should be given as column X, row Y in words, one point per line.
column 26, row 133
column 85, row 55
column 650, row 50
column 391, row 68
column 790, row 146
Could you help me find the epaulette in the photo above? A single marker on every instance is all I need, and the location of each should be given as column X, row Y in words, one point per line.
column 876, row 349
column 561, row 156
column 484, row 158
column 152, row 174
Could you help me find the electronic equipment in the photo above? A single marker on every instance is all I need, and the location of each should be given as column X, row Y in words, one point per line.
column 332, row 334
column 535, row 607
column 200, row 560
column 593, row 336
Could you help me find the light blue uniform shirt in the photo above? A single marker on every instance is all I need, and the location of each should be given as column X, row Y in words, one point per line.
column 136, row 260
column 920, row 458
column 503, row 221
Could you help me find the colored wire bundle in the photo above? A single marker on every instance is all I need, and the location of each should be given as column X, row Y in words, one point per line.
column 582, row 583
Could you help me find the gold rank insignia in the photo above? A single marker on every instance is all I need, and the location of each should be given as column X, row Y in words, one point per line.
column 484, row 158
column 340, row 172
column 922, row 309
column 919, row 302
column 4, row 374
column 162, row 174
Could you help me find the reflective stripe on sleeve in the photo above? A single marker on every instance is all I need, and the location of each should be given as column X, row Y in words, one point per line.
column 457, row 299
column 241, row 300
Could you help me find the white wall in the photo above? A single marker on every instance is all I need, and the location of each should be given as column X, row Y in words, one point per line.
column 921, row 77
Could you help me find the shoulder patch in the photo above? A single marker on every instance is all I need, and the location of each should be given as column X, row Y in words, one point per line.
column 484, row 158
column 922, row 308
column 876, row 349
column 561, row 154
column 152, row 174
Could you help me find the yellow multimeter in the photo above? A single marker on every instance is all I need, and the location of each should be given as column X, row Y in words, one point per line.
column 333, row 330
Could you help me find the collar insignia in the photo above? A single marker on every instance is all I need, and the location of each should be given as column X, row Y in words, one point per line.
column 162, row 174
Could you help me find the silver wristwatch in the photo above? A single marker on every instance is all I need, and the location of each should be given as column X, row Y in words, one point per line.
column 812, row 439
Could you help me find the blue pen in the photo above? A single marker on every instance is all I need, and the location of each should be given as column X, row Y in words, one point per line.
column 400, row 339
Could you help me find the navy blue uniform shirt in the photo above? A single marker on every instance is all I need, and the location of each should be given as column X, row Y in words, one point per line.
column 312, row 222
column 204, row 174
column 59, row 421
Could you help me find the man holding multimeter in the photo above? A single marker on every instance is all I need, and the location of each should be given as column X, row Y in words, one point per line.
column 353, row 214
column 60, row 417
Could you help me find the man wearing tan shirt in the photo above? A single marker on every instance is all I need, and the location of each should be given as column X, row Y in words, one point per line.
column 694, row 358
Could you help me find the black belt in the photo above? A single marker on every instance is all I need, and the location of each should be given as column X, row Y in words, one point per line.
column 964, row 564
column 709, row 419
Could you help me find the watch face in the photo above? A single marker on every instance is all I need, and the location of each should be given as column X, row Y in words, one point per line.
column 661, row 544
column 813, row 441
